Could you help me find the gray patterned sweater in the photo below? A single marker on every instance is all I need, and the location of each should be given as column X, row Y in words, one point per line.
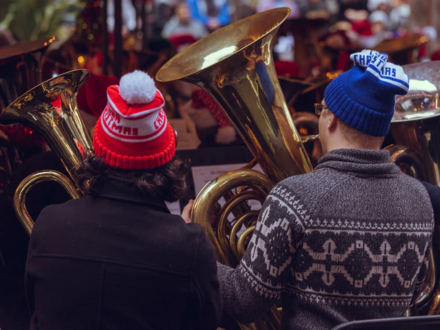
column 345, row 242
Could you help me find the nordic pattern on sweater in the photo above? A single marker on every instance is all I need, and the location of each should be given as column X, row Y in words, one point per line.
column 345, row 242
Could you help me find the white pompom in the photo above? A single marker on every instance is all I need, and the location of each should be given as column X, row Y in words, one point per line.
column 137, row 87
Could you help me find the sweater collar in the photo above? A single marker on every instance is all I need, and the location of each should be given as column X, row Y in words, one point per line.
column 359, row 162
column 117, row 190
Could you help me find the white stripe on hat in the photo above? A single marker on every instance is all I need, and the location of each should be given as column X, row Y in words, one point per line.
column 376, row 63
column 367, row 57
column 388, row 80
column 128, row 130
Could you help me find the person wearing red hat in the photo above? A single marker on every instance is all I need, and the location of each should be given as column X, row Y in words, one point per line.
column 133, row 132
column 116, row 258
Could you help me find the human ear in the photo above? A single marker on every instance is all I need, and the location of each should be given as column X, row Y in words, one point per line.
column 331, row 121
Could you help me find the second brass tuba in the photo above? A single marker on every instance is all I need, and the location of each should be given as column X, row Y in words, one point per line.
column 235, row 66
column 416, row 129
column 51, row 110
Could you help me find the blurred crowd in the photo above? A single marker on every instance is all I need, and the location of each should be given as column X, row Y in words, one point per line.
column 366, row 18
column 313, row 44
column 339, row 25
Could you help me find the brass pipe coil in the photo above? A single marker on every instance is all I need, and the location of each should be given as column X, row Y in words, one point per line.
column 32, row 180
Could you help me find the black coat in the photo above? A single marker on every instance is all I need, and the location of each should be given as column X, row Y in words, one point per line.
column 120, row 260
column 434, row 195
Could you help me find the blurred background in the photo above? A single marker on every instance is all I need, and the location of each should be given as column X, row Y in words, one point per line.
column 40, row 39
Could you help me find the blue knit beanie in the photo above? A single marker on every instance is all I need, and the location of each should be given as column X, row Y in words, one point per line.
column 364, row 96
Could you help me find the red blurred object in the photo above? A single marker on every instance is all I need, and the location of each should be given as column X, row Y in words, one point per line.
column 21, row 135
column 343, row 60
column 181, row 40
column 436, row 55
column 200, row 99
column 57, row 102
column 100, row 57
column 92, row 97
column 363, row 28
column 80, row 148
column 423, row 50
column 343, row 49
column 287, row 69
column 98, row 60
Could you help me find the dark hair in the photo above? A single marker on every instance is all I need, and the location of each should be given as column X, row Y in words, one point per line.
column 168, row 182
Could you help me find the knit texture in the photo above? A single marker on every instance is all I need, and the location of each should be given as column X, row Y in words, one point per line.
column 364, row 97
column 133, row 132
column 345, row 242
column 142, row 156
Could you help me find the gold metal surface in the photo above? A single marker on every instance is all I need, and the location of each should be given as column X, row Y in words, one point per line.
column 51, row 110
column 28, row 183
column 309, row 138
column 204, row 212
column 391, row 46
column 416, row 128
column 230, row 250
column 235, row 66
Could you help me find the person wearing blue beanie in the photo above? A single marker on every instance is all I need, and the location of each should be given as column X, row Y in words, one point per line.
column 349, row 240
column 364, row 96
column 359, row 104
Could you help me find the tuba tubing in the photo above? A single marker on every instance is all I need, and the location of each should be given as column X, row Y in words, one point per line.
column 234, row 65
column 230, row 251
column 50, row 109
column 29, row 182
column 428, row 293
column 416, row 129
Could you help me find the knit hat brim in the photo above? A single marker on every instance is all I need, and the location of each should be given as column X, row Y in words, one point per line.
column 125, row 162
column 354, row 114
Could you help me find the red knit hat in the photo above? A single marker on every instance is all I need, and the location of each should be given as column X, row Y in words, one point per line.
column 133, row 132
column 200, row 100
column 206, row 113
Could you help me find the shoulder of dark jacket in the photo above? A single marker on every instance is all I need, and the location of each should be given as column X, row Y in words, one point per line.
column 434, row 196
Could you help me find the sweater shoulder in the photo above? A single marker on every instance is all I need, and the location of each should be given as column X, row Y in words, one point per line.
column 413, row 184
column 418, row 193
column 307, row 188
column 317, row 178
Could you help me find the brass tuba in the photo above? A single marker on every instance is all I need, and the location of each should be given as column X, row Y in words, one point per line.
column 51, row 110
column 235, row 66
column 416, row 129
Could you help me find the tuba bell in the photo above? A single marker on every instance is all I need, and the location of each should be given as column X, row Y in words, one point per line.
column 51, row 110
column 235, row 66
column 416, row 130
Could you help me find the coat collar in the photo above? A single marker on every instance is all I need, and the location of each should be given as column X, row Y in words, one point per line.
column 359, row 162
column 118, row 190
